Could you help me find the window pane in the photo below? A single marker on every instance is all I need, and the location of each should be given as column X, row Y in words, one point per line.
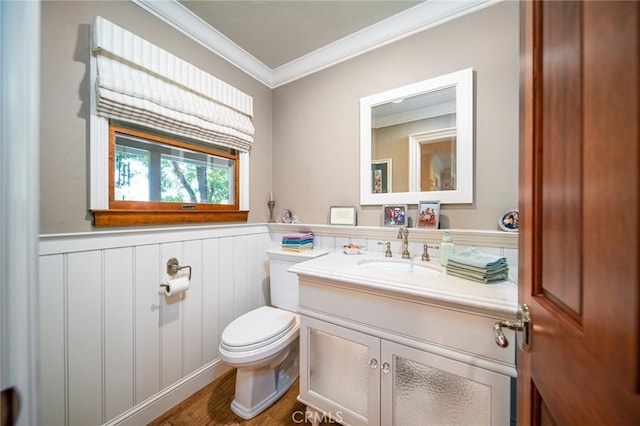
column 186, row 180
column 152, row 171
column 131, row 178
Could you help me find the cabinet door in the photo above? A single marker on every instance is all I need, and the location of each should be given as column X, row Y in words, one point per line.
column 419, row 387
column 339, row 372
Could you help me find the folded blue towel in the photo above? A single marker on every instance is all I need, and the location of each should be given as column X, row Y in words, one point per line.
column 454, row 264
column 490, row 274
column 285, row 241
column 473, row 257
column 504, row 276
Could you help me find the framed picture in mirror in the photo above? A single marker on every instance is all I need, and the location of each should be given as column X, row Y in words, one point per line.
column 381, row 172
column 394, row 215
column 428, row 214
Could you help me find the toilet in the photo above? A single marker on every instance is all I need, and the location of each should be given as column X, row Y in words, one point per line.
column 263, row 344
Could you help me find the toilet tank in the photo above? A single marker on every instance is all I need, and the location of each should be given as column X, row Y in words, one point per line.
column 284, row 284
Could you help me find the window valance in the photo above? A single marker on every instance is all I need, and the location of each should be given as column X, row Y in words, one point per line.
column 140, row 83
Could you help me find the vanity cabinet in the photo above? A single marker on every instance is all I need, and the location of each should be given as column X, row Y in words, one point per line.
column 372, row 355
column 359, row 379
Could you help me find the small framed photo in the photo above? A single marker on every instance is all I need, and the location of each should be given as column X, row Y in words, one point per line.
column 428, row 214
column 339, row 215
column 381, row 172
column 509, row 221
column 394, row 215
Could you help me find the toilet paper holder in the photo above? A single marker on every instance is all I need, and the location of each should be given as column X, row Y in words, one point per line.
column 173, row 266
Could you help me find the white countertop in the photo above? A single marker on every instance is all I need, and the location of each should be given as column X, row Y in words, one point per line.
column 432, row 284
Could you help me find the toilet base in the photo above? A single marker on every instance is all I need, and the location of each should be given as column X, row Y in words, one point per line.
column 257, row 389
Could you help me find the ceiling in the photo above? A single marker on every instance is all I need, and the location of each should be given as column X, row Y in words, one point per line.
column 277, row 32
column 279, row 41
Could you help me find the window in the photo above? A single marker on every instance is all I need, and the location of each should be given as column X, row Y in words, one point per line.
column 156, row 178
column 146, row 177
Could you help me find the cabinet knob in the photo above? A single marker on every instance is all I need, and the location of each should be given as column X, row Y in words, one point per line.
column 385, row 368
column 373, row 363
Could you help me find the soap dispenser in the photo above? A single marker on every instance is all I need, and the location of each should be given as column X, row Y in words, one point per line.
column 446, row 248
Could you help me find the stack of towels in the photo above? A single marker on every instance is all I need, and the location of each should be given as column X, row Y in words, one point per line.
column 297, row 242
column 474, row 265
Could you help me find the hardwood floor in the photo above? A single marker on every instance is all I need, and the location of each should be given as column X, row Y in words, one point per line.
column 211, row 406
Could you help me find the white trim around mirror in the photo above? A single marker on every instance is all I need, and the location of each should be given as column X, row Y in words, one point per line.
column 463, row 82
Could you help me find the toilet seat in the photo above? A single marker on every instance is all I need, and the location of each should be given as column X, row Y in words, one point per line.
column 257, row 329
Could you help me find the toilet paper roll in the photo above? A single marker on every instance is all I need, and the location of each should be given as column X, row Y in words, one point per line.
column 174, row 286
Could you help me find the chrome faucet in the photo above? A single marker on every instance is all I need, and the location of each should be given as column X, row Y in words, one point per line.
column 403, row 234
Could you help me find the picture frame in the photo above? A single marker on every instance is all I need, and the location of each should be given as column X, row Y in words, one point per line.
column 394, row 215
column 381, row 176
column 509, row 221
column 428, row 215
column 342, row 215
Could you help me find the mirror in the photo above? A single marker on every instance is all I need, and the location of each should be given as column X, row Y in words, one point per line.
column 416, row 142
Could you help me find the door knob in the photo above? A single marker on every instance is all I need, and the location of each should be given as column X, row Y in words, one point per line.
column 521, row 324
column 373, row 363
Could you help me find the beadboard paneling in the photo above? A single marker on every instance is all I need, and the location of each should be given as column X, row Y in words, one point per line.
column 119, row 329
column 112, row 343
column 84, row 328
column 192, row 307
column 211, row 300
column 147, row 321
column 53, row 339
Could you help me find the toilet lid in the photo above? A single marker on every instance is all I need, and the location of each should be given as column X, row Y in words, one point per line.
column 257, row 328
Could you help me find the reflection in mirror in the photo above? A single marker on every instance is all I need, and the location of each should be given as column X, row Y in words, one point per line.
column 432, row 160
column 417, row 142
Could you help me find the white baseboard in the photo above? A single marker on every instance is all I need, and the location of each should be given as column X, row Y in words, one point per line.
column 160, row 403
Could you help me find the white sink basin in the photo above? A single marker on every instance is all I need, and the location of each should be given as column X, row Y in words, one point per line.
column 399, row 266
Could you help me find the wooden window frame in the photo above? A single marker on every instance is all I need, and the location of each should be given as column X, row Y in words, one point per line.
column 130, row 213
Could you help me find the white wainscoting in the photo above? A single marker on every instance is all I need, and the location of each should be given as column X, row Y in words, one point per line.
column 115, row 350
column 112, row 344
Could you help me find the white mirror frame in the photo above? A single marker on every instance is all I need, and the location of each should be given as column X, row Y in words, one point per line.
column 463, row 82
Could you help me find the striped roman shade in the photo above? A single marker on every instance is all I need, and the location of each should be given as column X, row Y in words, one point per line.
column 140, row 83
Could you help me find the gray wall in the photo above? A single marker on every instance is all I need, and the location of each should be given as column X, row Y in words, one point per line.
column 312, row 162
column 65, row 94
column 316, row 119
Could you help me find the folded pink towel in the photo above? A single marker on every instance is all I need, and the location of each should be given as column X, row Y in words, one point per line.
column 298, row 236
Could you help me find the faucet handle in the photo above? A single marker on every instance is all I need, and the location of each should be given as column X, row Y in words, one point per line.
column 425, row 252
column 387, row 253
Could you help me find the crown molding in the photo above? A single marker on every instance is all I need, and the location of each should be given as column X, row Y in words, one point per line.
column 185, row 21
column 413, row 20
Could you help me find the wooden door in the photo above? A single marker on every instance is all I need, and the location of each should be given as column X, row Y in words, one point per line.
column 579, row 205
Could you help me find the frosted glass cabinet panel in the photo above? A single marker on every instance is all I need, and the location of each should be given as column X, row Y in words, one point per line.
column 360, row 379
column 339, row 372
column 424, row 388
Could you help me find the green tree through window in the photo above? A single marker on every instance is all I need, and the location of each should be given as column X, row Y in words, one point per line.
column 146, row 170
